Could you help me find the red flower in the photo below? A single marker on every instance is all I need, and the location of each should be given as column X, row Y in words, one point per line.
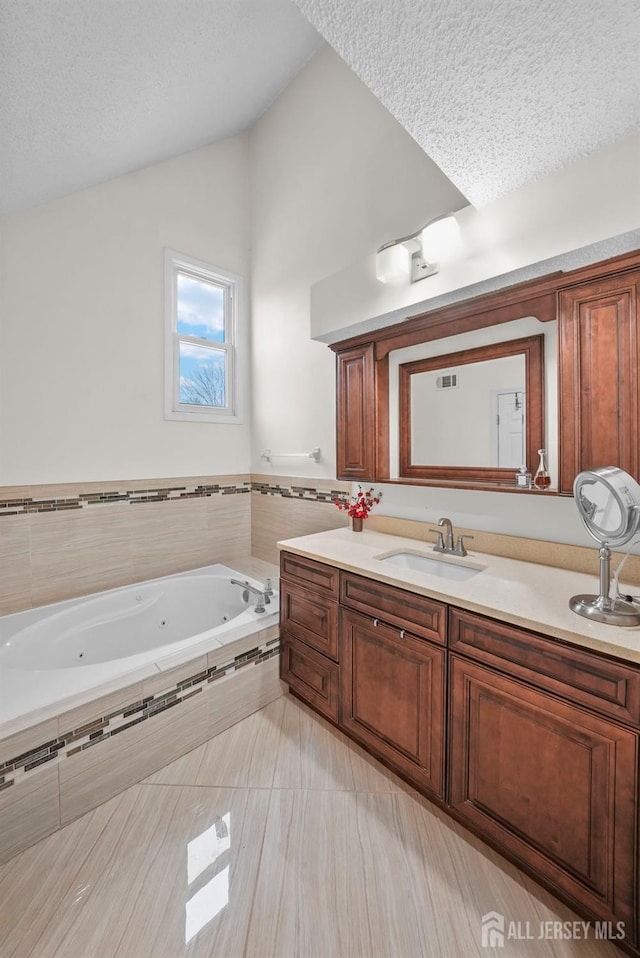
column 360, row 505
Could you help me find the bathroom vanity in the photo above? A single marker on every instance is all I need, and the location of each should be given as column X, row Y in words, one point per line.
column 485, row 692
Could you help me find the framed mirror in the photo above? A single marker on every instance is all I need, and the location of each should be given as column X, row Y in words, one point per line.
column 473, row 416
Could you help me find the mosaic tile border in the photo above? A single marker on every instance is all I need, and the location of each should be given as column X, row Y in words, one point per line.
column 100, row 729
column 29, row 505
column 309, row 493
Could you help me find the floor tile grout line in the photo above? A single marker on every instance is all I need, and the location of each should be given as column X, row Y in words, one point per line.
column 286, row 788
column 257, row 879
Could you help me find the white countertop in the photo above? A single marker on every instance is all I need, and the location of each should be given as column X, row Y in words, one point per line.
column 533, row 596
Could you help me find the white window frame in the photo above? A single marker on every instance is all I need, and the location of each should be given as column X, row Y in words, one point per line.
column 234, row 346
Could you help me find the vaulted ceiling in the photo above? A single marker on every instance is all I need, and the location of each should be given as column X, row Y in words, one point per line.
column 92, row 89
column 496, row 92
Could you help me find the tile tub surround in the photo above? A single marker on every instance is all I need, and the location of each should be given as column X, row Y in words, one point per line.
column 67, row 540
column 532, row 596
column 286, row 506
column 90, row 753
column 59, row 542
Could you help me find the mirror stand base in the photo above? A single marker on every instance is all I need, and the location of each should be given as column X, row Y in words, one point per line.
column 600, row 608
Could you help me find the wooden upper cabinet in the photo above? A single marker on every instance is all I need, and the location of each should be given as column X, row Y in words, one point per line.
column 362, row 414
column 355, row 427
column 599, row 381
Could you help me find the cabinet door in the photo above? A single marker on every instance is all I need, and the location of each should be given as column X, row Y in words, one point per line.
column 355, row 413
column 548, row 782
column 311, row 618
column 311, row 675
column 392, row 697
column 599, row 384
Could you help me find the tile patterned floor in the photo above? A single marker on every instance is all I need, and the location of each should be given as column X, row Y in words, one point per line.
column 277, row 839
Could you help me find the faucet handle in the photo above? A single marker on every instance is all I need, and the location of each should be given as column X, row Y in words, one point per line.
column 439, row 546
column 459, row 548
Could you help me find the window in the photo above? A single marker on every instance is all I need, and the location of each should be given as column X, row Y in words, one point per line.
column 203, row 341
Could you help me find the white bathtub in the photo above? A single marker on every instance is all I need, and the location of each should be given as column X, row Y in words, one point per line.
column 54, row 653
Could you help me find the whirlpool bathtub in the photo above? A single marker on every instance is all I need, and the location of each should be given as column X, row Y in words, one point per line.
column 98, row 693
column 51, row 653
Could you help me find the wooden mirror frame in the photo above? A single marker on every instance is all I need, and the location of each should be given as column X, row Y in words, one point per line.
column 597, row 301
column 532, row 349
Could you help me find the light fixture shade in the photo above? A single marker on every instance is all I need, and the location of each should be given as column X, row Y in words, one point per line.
column 440, row 239
column 393, row 265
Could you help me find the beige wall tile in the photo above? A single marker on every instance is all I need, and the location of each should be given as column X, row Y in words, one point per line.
column 275, row 517
column 30, row 738
column 168, row 537
column 282, row 480
column 79, row 551
column 243, row 693
column 71, row 489
column 99, row 707
column 165, row 680
column 15, row 579
column 228, row 526
column 225, row 653
column 15, row 539
column 29, row 811
column 98, row 773
column 15, row 564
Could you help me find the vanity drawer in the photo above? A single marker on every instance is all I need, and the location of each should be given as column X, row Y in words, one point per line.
column 312, row 676
column 311, row 618
column 310, row 574
column 424, row 617
column 579, row 675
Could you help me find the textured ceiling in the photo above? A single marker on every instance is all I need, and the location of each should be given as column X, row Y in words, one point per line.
column 92, row 89
column 497, row 92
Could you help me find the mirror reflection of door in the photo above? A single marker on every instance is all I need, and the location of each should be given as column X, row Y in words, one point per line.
column 509, row 448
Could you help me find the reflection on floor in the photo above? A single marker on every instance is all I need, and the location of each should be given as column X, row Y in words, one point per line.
column 277, row 839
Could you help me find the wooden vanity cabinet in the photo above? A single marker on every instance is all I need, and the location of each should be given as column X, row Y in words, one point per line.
column 392, row 689
column 309, row 631
column 548, row 781
column 599, row 352
column 532, row 742
column 392, row 677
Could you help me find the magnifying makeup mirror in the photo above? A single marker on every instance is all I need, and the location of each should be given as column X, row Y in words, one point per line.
column 608, row 501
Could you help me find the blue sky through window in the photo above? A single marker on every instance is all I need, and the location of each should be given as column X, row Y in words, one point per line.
column 200, row 308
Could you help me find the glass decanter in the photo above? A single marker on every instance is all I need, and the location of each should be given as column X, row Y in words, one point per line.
column 542, row 479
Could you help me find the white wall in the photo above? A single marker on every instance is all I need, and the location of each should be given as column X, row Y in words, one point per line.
column 593, row 201
column 81, row 323
column 332, row 174
column 333, row 177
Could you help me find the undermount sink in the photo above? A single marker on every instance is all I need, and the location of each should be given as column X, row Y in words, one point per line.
column 419, row 562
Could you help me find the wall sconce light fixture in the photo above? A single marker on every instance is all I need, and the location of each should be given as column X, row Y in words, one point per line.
column 412, row 258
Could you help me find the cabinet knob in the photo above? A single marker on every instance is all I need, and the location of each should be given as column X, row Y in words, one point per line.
column 375, row 622
column 402, row 633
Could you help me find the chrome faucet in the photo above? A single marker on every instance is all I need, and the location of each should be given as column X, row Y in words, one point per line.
column 445, row 540
column 262, row 597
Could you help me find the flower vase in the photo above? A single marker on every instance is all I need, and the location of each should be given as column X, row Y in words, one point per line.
column 356, row 524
